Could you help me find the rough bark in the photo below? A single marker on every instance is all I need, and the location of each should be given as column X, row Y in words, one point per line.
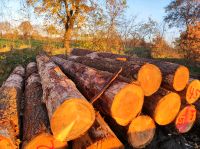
column 99, row 136
column 59, row 94
column 133, row 70
column 172, row 103
column 35, row 121
column 168, row 69
column 30, row 69
column 67, row 40
column 10, row 98
column 91, row 81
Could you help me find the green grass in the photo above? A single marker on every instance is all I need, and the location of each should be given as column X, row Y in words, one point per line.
column 9, row 60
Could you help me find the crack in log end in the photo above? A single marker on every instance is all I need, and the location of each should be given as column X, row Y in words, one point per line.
column 181, row 78
column 46, row 141
column 150, row 78
column 193, row 91
column 167, row 109
column 127, row 104
column 5, row 143
column 186, row 119
column 141, row 131
column 71, row 119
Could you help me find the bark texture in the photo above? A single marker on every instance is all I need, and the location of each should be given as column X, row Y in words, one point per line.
column 57, row 89
column 10, row 98
column 168, row 69
column 91, row 81
column 35, row 119
column 98, row 136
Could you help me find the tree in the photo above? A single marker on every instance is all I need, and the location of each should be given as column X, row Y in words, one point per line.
column 66, row 12
column 26, row 28
column 51, row 30
column 190, row 42
column 5, row 27
column 182, row 13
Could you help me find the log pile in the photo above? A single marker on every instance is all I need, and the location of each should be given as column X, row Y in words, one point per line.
column 99, row 100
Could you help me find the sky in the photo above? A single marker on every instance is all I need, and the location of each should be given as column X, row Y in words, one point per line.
column 141, row 8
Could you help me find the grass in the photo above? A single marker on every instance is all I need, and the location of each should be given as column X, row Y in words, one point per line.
column 9, row 60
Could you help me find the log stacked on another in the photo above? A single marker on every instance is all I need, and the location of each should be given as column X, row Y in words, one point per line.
column 187, row 118
column 99, row 136
column 192, row 91
column 175, row 76
column 36, row 132
column 163, row 106
column 70, row 114
column 121, row 101
column 148, row 75
column 10, row 98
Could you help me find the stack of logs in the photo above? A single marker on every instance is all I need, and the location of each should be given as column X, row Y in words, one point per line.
column 66, row 97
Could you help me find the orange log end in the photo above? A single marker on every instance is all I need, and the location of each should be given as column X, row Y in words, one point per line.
column 167, row 109
column 72, row 119
column 193, row 91
column 181, row 78
column 141, row 131
column 127, row 104
column 150, row 78
column 185, row 119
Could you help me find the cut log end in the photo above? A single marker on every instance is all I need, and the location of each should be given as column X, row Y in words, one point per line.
column 181, row 78
column 108, row 143
column 127, row 104
column 193, row 91
column 167, row 109
column 6, row 143
column 150, row 78
column 72, row 119
column 45, row 140
column 186, row 119
column 141, row 131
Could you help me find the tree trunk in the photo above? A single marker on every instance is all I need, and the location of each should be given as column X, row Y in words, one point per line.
column 70, row 114
column 36, row 131
column 148, row 75
column 10, row 98
column 174, row 75
column 120, row 95
column 99, row 136
column 67, row 40
column 163, row 106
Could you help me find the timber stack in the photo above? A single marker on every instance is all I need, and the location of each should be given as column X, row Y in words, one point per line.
column 96, row 100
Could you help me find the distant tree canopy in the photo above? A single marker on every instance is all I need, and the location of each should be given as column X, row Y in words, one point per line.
column 181, row 13
column 72, row 13
column 5, row 27
column 26, row 28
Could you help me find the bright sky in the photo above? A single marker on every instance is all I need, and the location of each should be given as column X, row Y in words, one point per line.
column 142, row 8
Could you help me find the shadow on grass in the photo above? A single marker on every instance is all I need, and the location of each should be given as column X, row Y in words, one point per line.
column 9, row 60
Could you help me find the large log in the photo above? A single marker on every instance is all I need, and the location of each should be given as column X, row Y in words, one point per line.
column 174, row 75
column 148, row 75
column 10, row 98
column 70, row 114
column 163, row 106
column 36, row 132
column 99, row 136
column 120, row 95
